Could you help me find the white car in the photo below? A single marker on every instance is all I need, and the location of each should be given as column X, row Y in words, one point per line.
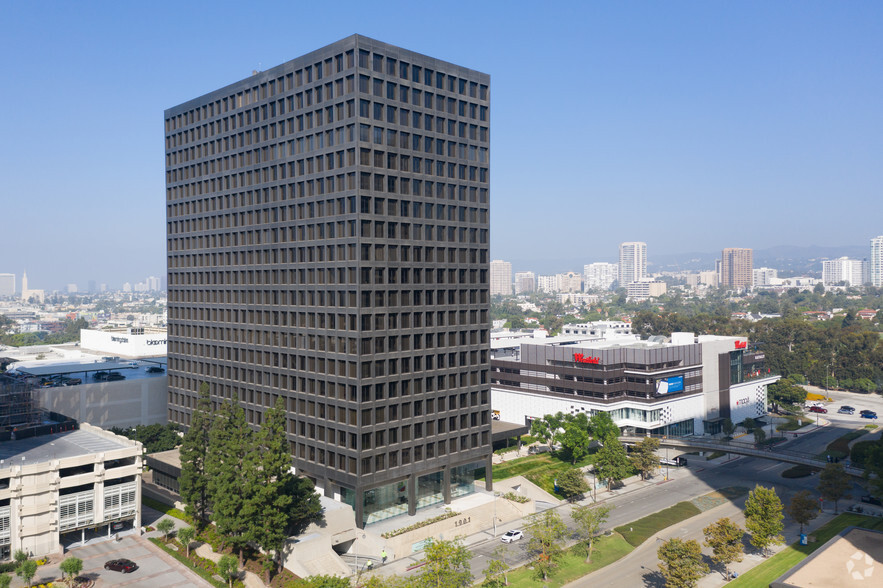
column 511, row 536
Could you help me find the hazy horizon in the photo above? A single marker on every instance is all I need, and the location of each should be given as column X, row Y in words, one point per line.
column 690, row 126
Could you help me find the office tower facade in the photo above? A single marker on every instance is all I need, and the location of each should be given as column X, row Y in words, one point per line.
column 501, row 278
column 632, row 262
column 549, row 284
column 737, row 267
column 850, row 272
column 600, row 276
column 570, row 282
column 328, row 244
column 875, row 269
column 7, row 284
column 525, row 282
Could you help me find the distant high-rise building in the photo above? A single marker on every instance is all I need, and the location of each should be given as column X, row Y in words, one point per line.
column 875, row 271
column 355, row 283
column 72, row 288
column 102, row 287
column 600, row 275
column 27, row 294
column 764, row 276
column 549, row 284
column 7, row 284
column 127, row 287
column 737, row 267
column 632, row 262
column 850, row 272
column 501, row 278
column 525, row 282
column 92, row 287
column 154, row 284
column 570, row 282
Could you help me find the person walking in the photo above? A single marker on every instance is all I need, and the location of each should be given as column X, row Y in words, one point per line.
column 383, row 556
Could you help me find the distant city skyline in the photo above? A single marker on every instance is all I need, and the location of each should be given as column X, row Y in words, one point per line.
column 691, row 126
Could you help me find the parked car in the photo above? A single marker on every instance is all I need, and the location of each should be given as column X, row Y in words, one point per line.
column 155, row 369
column 513, row 535
column 869, row 414
column 871, row 500
column 539, row 449
column 818, row 409
column 114, row 376
column 846, row 410
column 121, row 565
column 102, row 375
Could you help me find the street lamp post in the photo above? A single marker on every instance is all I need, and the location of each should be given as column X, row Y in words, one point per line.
column 496, row 494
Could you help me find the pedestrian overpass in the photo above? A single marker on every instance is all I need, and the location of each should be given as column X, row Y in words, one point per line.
column 740, row 448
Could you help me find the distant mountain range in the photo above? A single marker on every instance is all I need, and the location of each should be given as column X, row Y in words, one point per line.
column 789, row 260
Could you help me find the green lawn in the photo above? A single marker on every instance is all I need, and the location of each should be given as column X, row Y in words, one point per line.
column 573, row 565
column 793, row 423
column 541, row 469
column 639, row 531
column 839, row 447
column 768, row 571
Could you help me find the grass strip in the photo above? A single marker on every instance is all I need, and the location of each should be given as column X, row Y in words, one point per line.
column 203, row 573
column 166, row 509
column 839, row 447
column 765, row 573
column 573, row 564
column 639, row 531
column 792, row 423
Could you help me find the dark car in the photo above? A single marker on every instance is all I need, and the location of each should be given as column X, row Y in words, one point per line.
column 114, row 376
column 102, row 375
column 818, row 409
column 155, row 369
column 121, row 565
column 871, row 500
column 846, row 410
column 869, row 414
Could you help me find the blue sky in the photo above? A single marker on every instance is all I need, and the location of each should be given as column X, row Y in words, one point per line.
column 692, row 126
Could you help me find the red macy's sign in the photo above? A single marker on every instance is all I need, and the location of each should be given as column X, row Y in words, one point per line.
column 580, row 358
column 741, row 344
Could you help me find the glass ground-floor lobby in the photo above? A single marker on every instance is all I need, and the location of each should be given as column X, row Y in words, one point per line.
column 408, row 495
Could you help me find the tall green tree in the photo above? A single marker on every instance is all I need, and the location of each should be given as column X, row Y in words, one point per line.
column 26, row 571
column 447, row 565
column 230, row 475
column 496, row 572
column 834, row 483
column 681, row 563
column 763, row 517
column 193, row 480
column 803, row 508
column 728, row 427
column 725, row 539
column 873, row 464
column 644, row 458
column 589, row 520
column 268, row 504
column 185, row 536
column 546, row 531
column 612, row 463
column 602, row 427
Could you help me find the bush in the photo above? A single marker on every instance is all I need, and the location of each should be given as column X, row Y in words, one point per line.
column 860, row 451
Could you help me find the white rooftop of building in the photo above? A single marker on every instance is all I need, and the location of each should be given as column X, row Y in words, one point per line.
column 57, row 446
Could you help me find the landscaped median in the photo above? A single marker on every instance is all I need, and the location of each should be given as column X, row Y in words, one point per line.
column 768, row 571
column 622, row 540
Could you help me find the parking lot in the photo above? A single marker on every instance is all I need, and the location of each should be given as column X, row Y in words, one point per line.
column 155, row 568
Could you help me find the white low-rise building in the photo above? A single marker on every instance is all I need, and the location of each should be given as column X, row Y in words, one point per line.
column 66, row 488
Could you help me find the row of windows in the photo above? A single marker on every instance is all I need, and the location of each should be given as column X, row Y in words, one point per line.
column 412, row 96
column 424, row 75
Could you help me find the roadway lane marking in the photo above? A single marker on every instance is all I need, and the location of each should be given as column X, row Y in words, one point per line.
column 775, row 465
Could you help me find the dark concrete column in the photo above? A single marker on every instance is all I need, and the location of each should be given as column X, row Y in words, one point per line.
column 446, row 484
column 489, row 473
column 412, row 494
column 329, row 490
column 360, row 508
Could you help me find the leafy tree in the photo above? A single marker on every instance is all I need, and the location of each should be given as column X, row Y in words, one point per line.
column 305, row 505
column 802, row 508
column 193, row 480
column 20, row 557
column 572, row 483
column 759, row 435
column 575, row 438
column 227, row 568
column 186, row 536
column 26, row 571
column 749, row 424
column 644, row 458
column 5, row 581
column 725, row 539
column 546, row 530
column 873, row 463
column 787, row 392
column 603, row 427
column 589, row 520
column 230, row 472
column 71, row 567
column 763, row 517
column 447, row 565
column 612, row 463
column 165, row 526
column 728, row 427
column 540, row 428
column 495, row 574
column 834, row 483
column 681, row 562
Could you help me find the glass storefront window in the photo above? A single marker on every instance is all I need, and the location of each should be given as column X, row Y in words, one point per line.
column 385, row 502
column 429, row 489
column 463, row 479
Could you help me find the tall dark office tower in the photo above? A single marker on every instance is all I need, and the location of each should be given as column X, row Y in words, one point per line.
column 328, row 244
